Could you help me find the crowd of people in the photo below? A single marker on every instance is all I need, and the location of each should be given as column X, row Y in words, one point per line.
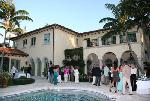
column 69, row 73
column 120, row 78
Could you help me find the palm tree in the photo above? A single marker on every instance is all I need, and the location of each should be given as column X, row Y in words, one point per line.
column 10, row 19
column 118, row 25
column 139, row 11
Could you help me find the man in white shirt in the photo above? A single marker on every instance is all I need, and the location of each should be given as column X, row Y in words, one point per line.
column 13, row 71
column 106, row 75
column 133, row 77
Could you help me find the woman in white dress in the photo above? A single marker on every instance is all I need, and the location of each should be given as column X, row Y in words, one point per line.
column 76, row 74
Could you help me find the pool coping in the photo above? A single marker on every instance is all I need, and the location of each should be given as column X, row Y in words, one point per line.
column 111, row 97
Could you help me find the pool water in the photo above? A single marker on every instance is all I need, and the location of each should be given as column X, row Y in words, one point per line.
column 57, row 95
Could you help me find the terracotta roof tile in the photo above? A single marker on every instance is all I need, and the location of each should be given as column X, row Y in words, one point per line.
column 13, row 51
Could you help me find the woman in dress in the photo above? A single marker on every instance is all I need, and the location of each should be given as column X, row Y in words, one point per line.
column 120, row 83
column 76, row 74
column 55, row 75
column 115, row 78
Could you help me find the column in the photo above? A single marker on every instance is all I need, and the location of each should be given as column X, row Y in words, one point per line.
column 138, row 37
column 99, row 41
column 100, row 63
column 119, row 62
column 117, row 39
column 84, row 43
column 42, row 69
column 140, row 61
column 9, row 64
column 36, row 68
column 85, row 67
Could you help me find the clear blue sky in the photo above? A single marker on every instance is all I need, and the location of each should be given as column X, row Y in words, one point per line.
column 78, row 15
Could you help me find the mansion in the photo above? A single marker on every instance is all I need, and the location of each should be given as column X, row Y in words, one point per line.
column 42, row 45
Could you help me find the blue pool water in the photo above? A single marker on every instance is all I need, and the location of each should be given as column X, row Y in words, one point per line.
column 57, row 95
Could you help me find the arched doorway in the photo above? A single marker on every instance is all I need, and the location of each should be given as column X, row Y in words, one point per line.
column 126, row 56
column 91, row 60
column 39, row 65
column 32, row 67
column 110, row 59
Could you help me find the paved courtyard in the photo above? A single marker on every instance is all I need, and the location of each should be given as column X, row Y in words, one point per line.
column 42, row 83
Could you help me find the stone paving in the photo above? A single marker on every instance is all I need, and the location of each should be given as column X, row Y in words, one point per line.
column 42, row 83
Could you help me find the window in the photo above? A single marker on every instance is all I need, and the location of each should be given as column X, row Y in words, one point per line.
column 131, row 37
column 122, row 38
column 77, row 42
column 15, row 62
column 24, row 42
column 33, row 41
column 94, row 42
column 15, row 44
column 47, row 38
column 113, row 39
column 109, row 40
column 89, row 44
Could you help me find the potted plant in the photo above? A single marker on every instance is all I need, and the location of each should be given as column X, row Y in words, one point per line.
column 5, row 77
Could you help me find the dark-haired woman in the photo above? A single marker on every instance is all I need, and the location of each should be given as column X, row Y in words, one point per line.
column 115, row 77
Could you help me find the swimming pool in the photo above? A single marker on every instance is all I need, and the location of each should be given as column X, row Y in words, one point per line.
column 58, row 95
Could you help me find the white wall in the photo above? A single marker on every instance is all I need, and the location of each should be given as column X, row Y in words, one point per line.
column 63, row 40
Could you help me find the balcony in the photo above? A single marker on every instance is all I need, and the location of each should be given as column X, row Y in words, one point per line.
column 111, row 41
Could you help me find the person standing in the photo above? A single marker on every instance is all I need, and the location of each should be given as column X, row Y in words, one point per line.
column 120, row 83
column 29, row 69
column 55, row 75
column 93, row 74
column 98, row 76
column 115, row 78
column 126, row 70
column 72, row 73
column 133, row 77
column 106, row 75
column 76, row 74
column 66, row 74
column 13, row 71
column 51, row 73
column 59, row 74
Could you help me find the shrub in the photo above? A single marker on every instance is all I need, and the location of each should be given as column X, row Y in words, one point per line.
column 83, row 78
column 23, row 81
column 7, row 77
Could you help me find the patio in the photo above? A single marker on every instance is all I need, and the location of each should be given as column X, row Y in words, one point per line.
column 41, row 83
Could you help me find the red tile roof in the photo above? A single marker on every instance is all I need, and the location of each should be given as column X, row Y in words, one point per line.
column 13, row 51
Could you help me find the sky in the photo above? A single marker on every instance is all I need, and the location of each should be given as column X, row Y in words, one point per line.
column 78, row 15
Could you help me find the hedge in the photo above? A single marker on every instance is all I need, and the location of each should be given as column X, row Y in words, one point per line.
column 23, row 81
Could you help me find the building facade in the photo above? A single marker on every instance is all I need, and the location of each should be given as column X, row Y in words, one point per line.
column 48, row 44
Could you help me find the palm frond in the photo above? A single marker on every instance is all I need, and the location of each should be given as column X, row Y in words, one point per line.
column 15, row 22
column 22, row 18
column 19, row 30
column 108, row 25
column 107, row 19
column 110, row 6
column 21, row 12
column 2, row 27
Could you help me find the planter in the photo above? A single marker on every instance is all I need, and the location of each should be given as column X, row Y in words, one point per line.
column 4, row 82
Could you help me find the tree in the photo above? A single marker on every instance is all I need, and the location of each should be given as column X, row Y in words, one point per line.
column 139, row 12
column 118, row 25
column 10, row 19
